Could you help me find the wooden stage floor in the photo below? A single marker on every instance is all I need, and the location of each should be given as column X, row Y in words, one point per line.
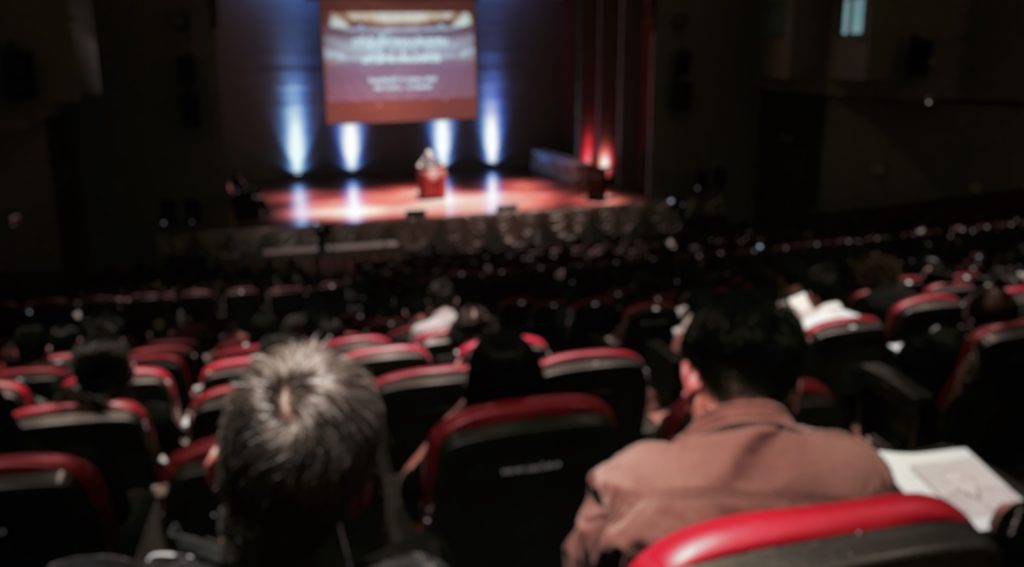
column 355, row 202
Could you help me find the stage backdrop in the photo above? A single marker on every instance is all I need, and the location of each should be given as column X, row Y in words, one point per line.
column 393, row 62
column 275, row 114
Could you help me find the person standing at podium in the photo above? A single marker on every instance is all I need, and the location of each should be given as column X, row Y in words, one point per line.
column 430, row 174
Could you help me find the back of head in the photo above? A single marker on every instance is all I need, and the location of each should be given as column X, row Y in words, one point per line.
column 440, row 291
column 261, row 323
column 879, row 268
column 474, row 320
column 31, row 341
column 991, row 304
column 503, row 366
column 102, row 366
column 826, row 280
column 298, row 439
column 743, row 346
column 64, row 336
column 296, row 324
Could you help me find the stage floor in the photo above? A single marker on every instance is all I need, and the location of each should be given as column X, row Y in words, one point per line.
column 355, row 202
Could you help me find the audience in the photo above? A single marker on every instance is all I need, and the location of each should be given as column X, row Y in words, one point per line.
column 825, row 286
column 31, row 340
column 440, row 299
column 743, row 449
column 103, row 372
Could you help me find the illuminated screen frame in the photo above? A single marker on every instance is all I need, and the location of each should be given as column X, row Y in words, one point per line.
column 400, row 112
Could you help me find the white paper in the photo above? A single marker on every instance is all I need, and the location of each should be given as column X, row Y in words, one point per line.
column 955, row 475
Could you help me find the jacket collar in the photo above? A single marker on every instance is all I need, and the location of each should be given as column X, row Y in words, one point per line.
column 743, row 411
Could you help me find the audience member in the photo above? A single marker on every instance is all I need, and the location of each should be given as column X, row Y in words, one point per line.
column 440, row 299
column 31, row 340
column 474, row 321
column 298, row 445
column 103, row 372
column 64, row 336
column 881, row 272
column 743, row 449
column 826, row 289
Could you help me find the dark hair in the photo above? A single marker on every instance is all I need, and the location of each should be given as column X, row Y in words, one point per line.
column 440, row 291
column 879, row 268
column 744, row 346
column 31, row 340
column 102, row 366
column 64, row 336
column 503, row 366
column 990, row 304
column 826, row 280
column 474, row 321
column 298, row 439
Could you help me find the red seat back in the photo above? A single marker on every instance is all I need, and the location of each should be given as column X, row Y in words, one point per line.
column 380, row 359
column 890, row 529
column 916, row 313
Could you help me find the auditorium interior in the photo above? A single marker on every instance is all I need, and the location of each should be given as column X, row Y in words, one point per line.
column 511, row 283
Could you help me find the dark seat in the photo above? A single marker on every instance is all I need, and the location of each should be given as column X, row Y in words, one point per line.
column 588, row 320
column 43, row 379
column 380, row 359
column 510, row 474
column 958, row 287
column 889, row 530
column 176, row 364
column 203, row 411
column 538, row 344
column 242, row 302
column 645, row 321
column 347, row 343
column 417, row 398
column 198, row 302
column 912, row 316
column 52, row 505
column 286, row 298
column 190, row 503
column 983, row 410
column 616, row 375
column 836, row 348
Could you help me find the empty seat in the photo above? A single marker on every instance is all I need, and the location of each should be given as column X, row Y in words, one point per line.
column 176, row 364
column 346, row 343
column 616, row 375
column 890, row 530
column 203, row 411
column 223, row 370
column 912, row 316
column 417, row 398
column 43, row 379
column 15, row 394
column 380, row 359
column 538, row 344
column 439, row 343
column 52, row 505
column 509, row 475
column 190, row 504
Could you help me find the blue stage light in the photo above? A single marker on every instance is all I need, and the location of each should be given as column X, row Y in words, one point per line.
column 492, row 191
column 354, row 212
column 442, row 139
column 492, row 130
column 351, row 138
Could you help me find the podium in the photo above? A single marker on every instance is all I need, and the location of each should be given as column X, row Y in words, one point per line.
column 431, row 181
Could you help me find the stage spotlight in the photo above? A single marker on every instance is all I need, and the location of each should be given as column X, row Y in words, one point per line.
column 442, row 139
column 492, row 132
column 351, row 138
column 300, row 205
column 296, row 140
column 492, row 191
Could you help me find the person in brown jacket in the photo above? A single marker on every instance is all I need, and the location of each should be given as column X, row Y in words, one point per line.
column 743, row 449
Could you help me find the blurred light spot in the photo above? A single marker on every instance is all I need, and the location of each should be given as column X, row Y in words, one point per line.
column 352, row 144
column 354, row 212
column 300, row 205
column 442, row 139
column 492, row 191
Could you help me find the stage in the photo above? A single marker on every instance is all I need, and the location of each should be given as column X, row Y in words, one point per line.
column 355, row 202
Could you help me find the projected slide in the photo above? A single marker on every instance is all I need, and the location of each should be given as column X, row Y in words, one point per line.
column 398, row 61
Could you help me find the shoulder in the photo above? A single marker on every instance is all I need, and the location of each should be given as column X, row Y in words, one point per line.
column 629, row 463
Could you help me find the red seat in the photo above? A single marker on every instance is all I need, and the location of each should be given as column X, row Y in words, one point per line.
column 616, row 375
column 63, row 358
column 509, row 474
column 175, row 363
column 417, row 397
column 15, row 394
column 346, row 343
column 890, row 530
column 119, row 439
column 913, row 315
column 223, row 370
column 400, row 332
column 835, row 348
column 190, row 502
column 203, row 411
column 959, row 287
column 241, row 348
column 538, row 344
column 439, row 343
column 380, row 359
column 43, row 379
column 52, row 505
